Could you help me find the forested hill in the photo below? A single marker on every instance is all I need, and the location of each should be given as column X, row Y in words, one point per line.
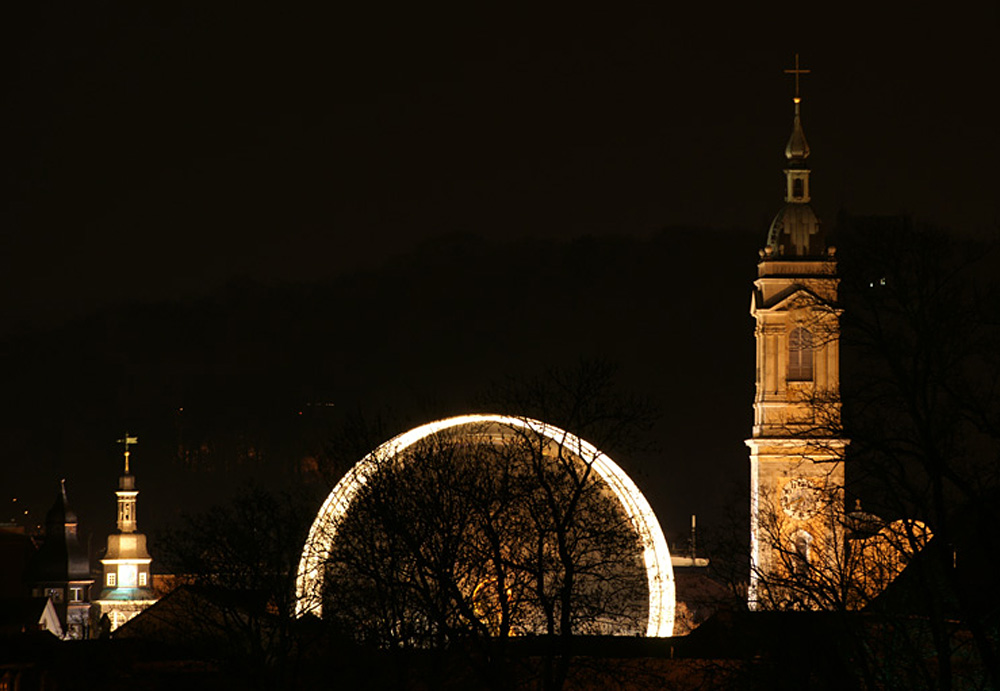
column 251, row 381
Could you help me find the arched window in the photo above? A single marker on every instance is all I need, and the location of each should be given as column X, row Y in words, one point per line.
column 801, row 546
column 800, row 355
column 797, row 188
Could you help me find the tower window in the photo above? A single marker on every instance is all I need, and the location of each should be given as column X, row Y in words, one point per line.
column 800, row 355
column 797, row 188
column 112, row 579
column 801, row 547
column 127, row 575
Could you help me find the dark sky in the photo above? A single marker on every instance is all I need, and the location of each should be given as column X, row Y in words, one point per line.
column 163, row 148
column 153, row 151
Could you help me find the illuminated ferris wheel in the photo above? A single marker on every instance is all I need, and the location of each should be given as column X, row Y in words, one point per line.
column 655, row 556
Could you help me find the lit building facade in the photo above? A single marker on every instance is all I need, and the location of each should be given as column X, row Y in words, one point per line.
column 796, row 449
column 127, row 582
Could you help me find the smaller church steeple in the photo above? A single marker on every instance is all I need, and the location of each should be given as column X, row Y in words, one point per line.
column 60, row 570
column 127, row 492
column 128, row 583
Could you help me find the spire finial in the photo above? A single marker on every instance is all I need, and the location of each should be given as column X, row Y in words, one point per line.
column 797, row 148
column 126, row 441
column 797, row 71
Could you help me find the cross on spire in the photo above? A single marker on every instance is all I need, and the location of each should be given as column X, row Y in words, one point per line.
column 126, row 441
column 796, row 71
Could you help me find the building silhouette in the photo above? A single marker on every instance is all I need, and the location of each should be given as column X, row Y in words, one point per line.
column 60, row 570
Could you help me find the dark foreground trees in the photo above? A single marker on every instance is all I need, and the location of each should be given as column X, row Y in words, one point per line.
column 475, row 535
column 450, row 551
column 922, row 405
column 920, row 390
column 234, row 568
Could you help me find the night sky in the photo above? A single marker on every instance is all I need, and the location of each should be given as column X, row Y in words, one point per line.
column 157, row 153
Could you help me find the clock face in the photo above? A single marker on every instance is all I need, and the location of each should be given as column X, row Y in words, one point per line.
column 801, row 499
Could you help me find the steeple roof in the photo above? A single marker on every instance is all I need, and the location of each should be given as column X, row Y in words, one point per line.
column 795, row 231
column 126, row 560
column 797, row 148
column 60, row 514
column 60, row 558
column 127, row 492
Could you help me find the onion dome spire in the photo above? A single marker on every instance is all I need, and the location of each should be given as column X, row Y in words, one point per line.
column 795, row 231
column 797, row 149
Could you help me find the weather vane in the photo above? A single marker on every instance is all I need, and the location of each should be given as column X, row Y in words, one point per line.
column 126, row 441
column 796, row 71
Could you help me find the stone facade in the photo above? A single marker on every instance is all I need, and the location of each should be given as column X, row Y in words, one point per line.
column 796, row 450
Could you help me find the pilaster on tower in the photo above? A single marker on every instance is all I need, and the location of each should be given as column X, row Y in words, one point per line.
column 796, row 449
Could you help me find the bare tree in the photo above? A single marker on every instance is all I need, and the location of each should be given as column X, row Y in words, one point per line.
column 921, row 404
column 472, row 537
column 235, row 565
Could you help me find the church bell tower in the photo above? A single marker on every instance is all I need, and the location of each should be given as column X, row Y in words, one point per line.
column 796, row 450
column 127, row 580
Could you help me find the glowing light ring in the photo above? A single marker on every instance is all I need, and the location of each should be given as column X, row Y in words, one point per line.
column 656, row 555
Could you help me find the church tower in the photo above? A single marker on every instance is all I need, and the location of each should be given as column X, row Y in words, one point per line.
column 128, row 584
column 796, row 451
column 60, row 570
